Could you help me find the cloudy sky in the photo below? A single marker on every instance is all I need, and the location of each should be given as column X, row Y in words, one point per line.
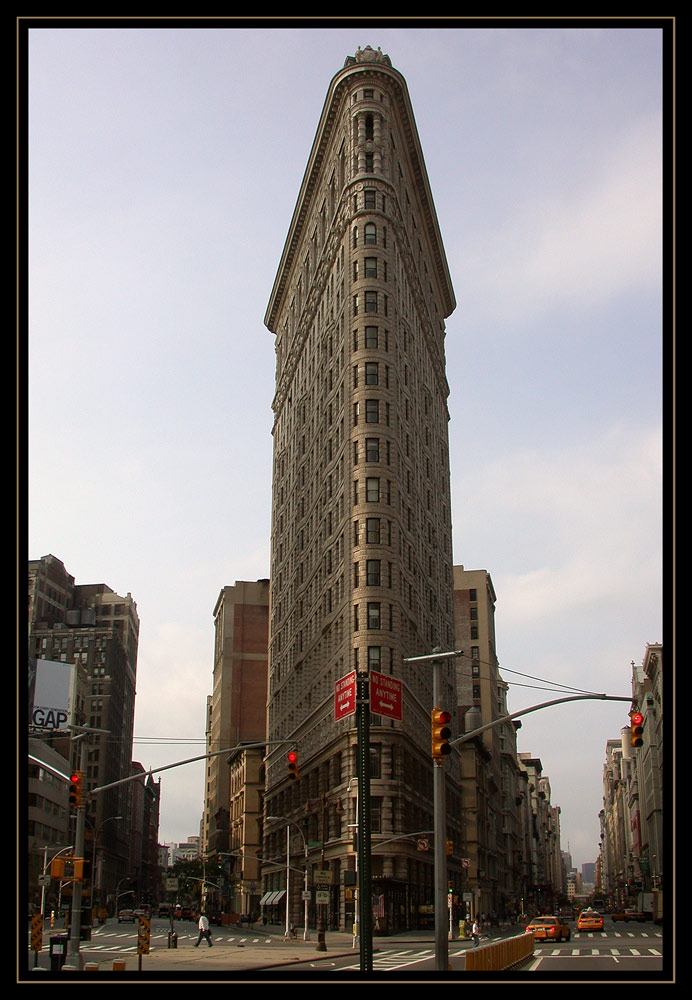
column 164, row 165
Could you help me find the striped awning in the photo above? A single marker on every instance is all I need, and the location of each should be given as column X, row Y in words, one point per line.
column 271, row 898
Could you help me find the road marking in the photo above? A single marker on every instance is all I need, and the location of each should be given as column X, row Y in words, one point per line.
column 397, row 960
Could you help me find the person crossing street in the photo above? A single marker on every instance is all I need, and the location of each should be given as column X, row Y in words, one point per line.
column 204, row 930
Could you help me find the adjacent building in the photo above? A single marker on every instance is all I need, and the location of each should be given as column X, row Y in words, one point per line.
column 631, row 860
column 361, row 555
column 92, row 633
column 237, row 707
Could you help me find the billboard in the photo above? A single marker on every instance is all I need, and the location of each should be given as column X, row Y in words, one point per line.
column 51, row 700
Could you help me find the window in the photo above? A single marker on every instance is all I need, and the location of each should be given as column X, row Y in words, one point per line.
column 372, row 411
column 370, row 267
column 372, row 570
column 370, row 233
column 371, row 373
column 375, row 762
column 372, row 449
column 371, row 337
column 369, row 201
column 371, row 301
column 376, row 814
column 372, row 489
column 374, row 657
column 372, row 530
column 374, row 614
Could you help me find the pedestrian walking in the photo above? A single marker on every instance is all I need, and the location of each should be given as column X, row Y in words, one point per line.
column 204, row 930
column 475, row 933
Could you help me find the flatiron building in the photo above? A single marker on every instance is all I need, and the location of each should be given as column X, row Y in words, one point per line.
column 361, row 551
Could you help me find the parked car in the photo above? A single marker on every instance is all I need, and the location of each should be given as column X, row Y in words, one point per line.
column 125, row 916
column 549, row 929
column 590, row 920
column 142, row 911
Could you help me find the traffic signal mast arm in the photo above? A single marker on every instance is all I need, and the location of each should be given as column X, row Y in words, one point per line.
column 535, row 708
column 190, row 760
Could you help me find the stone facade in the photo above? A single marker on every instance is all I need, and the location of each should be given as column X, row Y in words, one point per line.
column 361, row 559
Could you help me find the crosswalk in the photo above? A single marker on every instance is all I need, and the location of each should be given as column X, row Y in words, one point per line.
column 124, row 943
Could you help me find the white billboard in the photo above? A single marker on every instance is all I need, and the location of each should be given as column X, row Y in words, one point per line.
column 53, row 695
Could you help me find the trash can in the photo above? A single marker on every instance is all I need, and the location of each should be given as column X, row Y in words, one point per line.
column 58, row 952
column 172, row 939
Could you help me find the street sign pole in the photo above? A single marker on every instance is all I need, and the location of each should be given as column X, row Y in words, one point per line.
column 364, row 869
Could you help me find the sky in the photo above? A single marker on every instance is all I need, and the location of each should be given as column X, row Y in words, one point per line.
column 164, row 165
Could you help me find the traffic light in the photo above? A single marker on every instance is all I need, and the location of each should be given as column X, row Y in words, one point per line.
column 440, row 733
column 636, row 729
column 76, row 789
column 293, row 765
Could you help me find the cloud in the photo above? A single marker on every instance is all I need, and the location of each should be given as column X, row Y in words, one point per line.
column 597, row 236
column 566, row 530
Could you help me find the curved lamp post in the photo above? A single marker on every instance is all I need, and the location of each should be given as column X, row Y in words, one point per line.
column 289, row 824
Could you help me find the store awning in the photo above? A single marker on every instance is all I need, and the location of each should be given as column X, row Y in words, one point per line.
column 270, row 898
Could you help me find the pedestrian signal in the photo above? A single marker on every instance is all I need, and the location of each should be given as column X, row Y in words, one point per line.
column 440, row 733
column 76, row 789
column 636, row 729
column 293, row 765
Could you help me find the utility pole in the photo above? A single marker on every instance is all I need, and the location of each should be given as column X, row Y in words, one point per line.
column 436, row 658
column 440, row 825
column 76, row 918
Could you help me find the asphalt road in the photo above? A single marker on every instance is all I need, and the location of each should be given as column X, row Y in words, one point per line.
column 263, row 951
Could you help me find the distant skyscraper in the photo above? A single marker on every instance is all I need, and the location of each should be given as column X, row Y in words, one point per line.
column 361, row 554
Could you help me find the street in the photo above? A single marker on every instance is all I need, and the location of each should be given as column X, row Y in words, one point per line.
column 637, row 948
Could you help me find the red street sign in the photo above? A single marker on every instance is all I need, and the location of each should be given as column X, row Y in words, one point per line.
column 345, row 696
column 385, row 696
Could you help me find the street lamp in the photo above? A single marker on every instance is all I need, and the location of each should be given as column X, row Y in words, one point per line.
column 289, row 823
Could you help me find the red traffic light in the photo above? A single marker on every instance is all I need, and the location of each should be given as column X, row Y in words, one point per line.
column 441, row 733
column 75, row 796
column 636, row 729
column 293, row 765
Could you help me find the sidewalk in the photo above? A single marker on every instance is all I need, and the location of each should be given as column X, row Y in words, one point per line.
column 247, row 953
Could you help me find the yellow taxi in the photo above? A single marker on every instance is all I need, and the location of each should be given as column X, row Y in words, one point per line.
column 589, row 920
column 549, row 929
